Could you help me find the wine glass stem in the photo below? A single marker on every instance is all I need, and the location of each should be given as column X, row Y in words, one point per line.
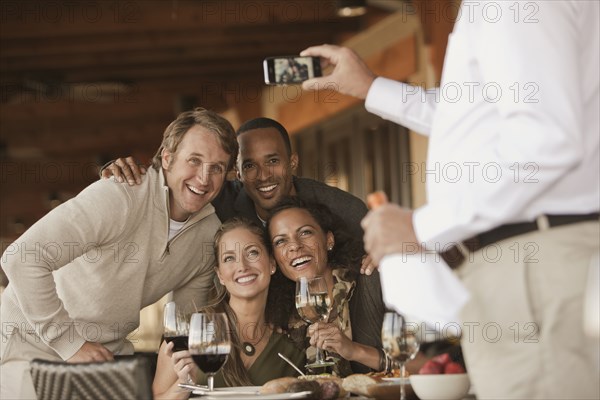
column 319, row 356
column 402, row 388
column 211, row 379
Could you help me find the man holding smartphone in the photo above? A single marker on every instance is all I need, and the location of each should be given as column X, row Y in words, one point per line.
column 545, row 233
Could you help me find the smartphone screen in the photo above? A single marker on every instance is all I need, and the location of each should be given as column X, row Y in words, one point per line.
column 289, row 70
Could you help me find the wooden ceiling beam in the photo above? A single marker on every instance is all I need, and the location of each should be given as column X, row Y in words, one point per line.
column 92, row 98
column 157, row 39
column 58, row 18
column 225, row 70
column 138, row 104
column 202, row 55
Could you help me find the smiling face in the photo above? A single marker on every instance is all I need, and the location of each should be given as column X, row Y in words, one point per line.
column 299, row 244
column 265, row 168
column 244, row 264
column 195, row 173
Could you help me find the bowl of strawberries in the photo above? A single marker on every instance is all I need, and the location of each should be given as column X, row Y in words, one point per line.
column 441, row 378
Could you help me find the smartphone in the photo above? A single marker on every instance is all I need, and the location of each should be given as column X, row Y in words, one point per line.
column 290, row 70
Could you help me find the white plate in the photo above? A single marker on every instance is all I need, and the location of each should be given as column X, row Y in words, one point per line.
column 247, row 392
column 229, row 391
column 396, row 380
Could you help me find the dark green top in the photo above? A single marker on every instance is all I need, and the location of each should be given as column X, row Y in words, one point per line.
column 268, row 365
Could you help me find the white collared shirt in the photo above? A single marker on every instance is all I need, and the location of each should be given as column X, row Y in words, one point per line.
column 514, row 127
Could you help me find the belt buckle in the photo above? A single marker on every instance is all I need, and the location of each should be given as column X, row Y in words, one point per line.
column 454, row 256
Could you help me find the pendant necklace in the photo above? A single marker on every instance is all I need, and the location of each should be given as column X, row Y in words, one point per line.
column 248, row 348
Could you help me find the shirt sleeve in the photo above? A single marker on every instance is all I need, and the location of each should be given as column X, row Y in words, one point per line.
column 95, row 217
column 539, row 130
column 407, row 105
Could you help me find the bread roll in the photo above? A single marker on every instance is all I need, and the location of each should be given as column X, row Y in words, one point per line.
column 375, row 387
column 279, row 385
column 359, row 383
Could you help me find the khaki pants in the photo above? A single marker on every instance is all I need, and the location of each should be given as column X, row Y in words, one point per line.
column 523, row 330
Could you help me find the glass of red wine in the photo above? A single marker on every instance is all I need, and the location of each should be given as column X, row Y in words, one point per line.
column 401, row 343
column 314, row 304
column 209, row 343
column 176, row 326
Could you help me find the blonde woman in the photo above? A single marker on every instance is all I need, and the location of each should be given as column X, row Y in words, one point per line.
column 244, row 268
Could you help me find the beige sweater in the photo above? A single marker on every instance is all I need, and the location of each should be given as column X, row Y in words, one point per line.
column 84, row 271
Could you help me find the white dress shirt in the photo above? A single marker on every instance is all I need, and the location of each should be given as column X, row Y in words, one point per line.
column 514, row 127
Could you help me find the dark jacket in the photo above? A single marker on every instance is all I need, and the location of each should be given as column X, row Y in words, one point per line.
column 234, row 201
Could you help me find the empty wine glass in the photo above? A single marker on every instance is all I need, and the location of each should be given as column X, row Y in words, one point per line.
column 314, row 304
column 176, row 326
column 400, row 342
column 209, row 343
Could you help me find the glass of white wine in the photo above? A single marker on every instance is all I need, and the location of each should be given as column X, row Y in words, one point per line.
column 314, row 304
column 400, row 341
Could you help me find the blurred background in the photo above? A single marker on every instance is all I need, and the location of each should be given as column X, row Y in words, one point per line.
column 84, row 82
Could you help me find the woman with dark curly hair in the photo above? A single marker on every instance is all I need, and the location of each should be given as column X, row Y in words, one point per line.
column 307, row 240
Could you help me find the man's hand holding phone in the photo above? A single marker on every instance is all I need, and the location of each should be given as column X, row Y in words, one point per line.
column 350, row 74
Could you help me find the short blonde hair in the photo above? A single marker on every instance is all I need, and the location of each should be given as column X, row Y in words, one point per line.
column 205, row 118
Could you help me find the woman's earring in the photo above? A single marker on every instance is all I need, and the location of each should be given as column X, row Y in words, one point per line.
column 330, row 247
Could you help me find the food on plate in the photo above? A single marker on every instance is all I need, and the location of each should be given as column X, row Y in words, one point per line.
column 324, row 387
column 329, row 384
column 395, row 373
column 322, row 377
column 373, row 386
column 359, row 383
column 279, row 385
column 302, row 385
column 330, row 390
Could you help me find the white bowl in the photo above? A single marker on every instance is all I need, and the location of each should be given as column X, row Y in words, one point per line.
column 440, row 387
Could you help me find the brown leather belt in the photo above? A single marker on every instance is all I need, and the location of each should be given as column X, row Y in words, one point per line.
column 454, row 257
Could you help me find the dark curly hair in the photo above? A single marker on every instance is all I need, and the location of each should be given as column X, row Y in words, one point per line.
column 347, row 253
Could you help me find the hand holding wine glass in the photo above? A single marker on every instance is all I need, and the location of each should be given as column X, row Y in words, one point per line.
column 400, row 342
column 209, row 343
column 176, row 329
column 176, row 326
column 314, row 304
